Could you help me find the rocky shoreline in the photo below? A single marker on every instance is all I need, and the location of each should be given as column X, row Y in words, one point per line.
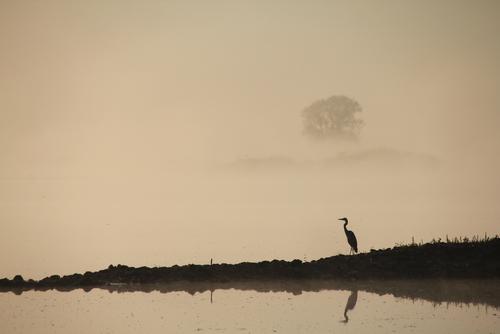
column 480, row 259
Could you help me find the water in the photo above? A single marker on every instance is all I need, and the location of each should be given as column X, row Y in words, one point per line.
column 260, row 307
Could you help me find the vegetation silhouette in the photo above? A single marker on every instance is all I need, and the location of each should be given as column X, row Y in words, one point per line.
column 333, row 118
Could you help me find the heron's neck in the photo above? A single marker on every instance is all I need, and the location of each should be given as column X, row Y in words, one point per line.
column 345, row 224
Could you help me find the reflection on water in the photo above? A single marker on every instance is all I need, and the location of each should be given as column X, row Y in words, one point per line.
column 351, row 303
column 259, row 307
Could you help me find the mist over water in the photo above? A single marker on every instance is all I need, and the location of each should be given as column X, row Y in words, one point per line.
column 253, row 214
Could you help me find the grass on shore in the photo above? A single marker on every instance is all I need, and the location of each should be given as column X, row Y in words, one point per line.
column 476, row 239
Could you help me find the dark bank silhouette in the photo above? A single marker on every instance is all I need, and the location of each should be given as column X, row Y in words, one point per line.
column 471, row 259
column 351, row 238
column 351, row 304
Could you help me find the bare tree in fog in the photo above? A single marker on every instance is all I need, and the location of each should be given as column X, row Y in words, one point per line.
column 334, row 117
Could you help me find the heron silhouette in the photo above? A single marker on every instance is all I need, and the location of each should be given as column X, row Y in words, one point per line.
column 351, row 238
column 351, row 303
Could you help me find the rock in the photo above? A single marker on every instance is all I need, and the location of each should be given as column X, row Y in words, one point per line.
column 18, row 279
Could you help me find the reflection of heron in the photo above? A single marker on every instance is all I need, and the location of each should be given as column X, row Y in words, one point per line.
column 351, row 238
column 351, row 303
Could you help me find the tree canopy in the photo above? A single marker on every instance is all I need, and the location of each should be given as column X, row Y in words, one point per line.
column 334, row 117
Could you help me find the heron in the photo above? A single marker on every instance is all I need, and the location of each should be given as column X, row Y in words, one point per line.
column 351, row 238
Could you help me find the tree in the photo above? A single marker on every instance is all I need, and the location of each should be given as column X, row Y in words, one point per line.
column 334, row 117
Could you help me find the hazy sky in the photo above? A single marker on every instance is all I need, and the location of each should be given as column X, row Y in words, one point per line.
column 121, row 114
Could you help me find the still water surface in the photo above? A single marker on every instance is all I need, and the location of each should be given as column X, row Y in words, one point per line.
column 297, row 307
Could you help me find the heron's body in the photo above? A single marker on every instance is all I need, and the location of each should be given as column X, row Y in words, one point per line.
column 351, row 238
